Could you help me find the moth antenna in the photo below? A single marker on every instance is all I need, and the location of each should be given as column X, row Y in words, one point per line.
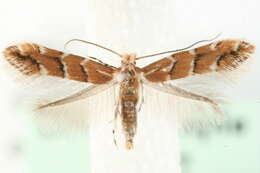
column 177, row 50
column 97, row 45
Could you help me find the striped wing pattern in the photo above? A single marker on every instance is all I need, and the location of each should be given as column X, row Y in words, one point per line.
column 33, row 59
column 215, row 57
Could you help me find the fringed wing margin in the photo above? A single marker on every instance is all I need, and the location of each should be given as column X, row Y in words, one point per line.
column 46, row 75
column 205, row 71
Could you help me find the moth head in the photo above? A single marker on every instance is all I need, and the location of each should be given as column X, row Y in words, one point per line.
column 129, row 59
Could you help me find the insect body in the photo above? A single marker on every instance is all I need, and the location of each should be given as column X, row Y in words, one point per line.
column 129, row 98
column 217, row 57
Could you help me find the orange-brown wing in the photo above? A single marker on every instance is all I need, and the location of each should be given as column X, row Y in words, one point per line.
column 215, row 57
column 32, row 59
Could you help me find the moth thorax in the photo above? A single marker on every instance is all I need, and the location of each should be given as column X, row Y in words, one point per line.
column 128, row 59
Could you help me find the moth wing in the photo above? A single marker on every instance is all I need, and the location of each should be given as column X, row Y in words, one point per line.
column 220, row 57
column 45, row 75
column 205, row 71
column 191, row 103
column 34, row 60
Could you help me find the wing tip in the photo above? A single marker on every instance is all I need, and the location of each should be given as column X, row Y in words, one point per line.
column 18, row 56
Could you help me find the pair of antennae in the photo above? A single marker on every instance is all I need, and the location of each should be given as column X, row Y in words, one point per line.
column 141, row 57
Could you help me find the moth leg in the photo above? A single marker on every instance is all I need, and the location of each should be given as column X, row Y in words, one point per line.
column 114, row 138
column 117, row 112
column 171, row 89
column 82, row 94
column 142, row 100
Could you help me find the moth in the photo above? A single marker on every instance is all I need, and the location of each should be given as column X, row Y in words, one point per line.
column 217, row 57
